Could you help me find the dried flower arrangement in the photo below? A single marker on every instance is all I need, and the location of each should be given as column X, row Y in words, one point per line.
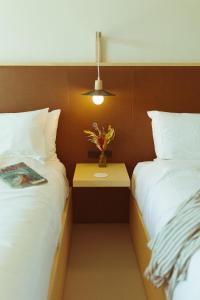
column 101, row 138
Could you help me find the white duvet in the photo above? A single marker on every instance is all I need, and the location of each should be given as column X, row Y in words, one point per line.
column 30, row 221
column 159, row 187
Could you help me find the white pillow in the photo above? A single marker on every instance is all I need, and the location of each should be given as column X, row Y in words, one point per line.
column 176, row 135
column 22, row 134
column 51, row 132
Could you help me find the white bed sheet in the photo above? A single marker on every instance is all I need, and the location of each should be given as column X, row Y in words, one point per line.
column 159, row 187
column 30, row 222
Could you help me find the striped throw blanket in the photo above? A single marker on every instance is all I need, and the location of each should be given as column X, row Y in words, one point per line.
column 174, row 246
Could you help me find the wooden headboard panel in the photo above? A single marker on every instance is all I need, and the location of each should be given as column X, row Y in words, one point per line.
column 138, row 89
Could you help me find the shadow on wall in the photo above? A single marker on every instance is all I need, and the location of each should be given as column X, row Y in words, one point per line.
column 122, row 42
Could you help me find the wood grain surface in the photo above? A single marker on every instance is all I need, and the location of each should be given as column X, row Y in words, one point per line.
column 137, row 90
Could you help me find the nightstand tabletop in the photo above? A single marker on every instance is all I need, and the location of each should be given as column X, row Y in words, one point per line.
column 84, row 175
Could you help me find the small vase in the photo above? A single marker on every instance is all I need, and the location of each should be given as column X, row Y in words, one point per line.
column 102, row 160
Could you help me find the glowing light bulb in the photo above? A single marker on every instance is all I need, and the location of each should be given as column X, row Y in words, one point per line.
column 98, row 99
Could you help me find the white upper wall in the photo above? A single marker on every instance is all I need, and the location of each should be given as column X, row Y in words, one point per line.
column 134, row 31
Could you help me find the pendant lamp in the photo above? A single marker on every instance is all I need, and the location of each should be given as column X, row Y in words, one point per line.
column 98, row 92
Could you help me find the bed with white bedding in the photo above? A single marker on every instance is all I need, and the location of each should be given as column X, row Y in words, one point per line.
column 30, row 223
column 167, row 194
column 35, row 222
column 159, row 187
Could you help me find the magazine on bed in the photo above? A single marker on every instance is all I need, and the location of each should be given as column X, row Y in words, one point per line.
column 20, row 175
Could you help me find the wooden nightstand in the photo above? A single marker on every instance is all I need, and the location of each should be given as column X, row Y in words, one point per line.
column 117, row 176
column 101, row 199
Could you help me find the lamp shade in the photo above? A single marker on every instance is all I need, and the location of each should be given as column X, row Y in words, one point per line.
column 98, row 93
column 98, row 90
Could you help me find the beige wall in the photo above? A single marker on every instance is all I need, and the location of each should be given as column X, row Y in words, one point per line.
column 135, row 31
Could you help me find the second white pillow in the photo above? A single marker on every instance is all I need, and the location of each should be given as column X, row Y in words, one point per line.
column 51, row 132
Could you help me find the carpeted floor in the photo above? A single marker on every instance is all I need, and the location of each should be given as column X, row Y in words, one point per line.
column 102, row 264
